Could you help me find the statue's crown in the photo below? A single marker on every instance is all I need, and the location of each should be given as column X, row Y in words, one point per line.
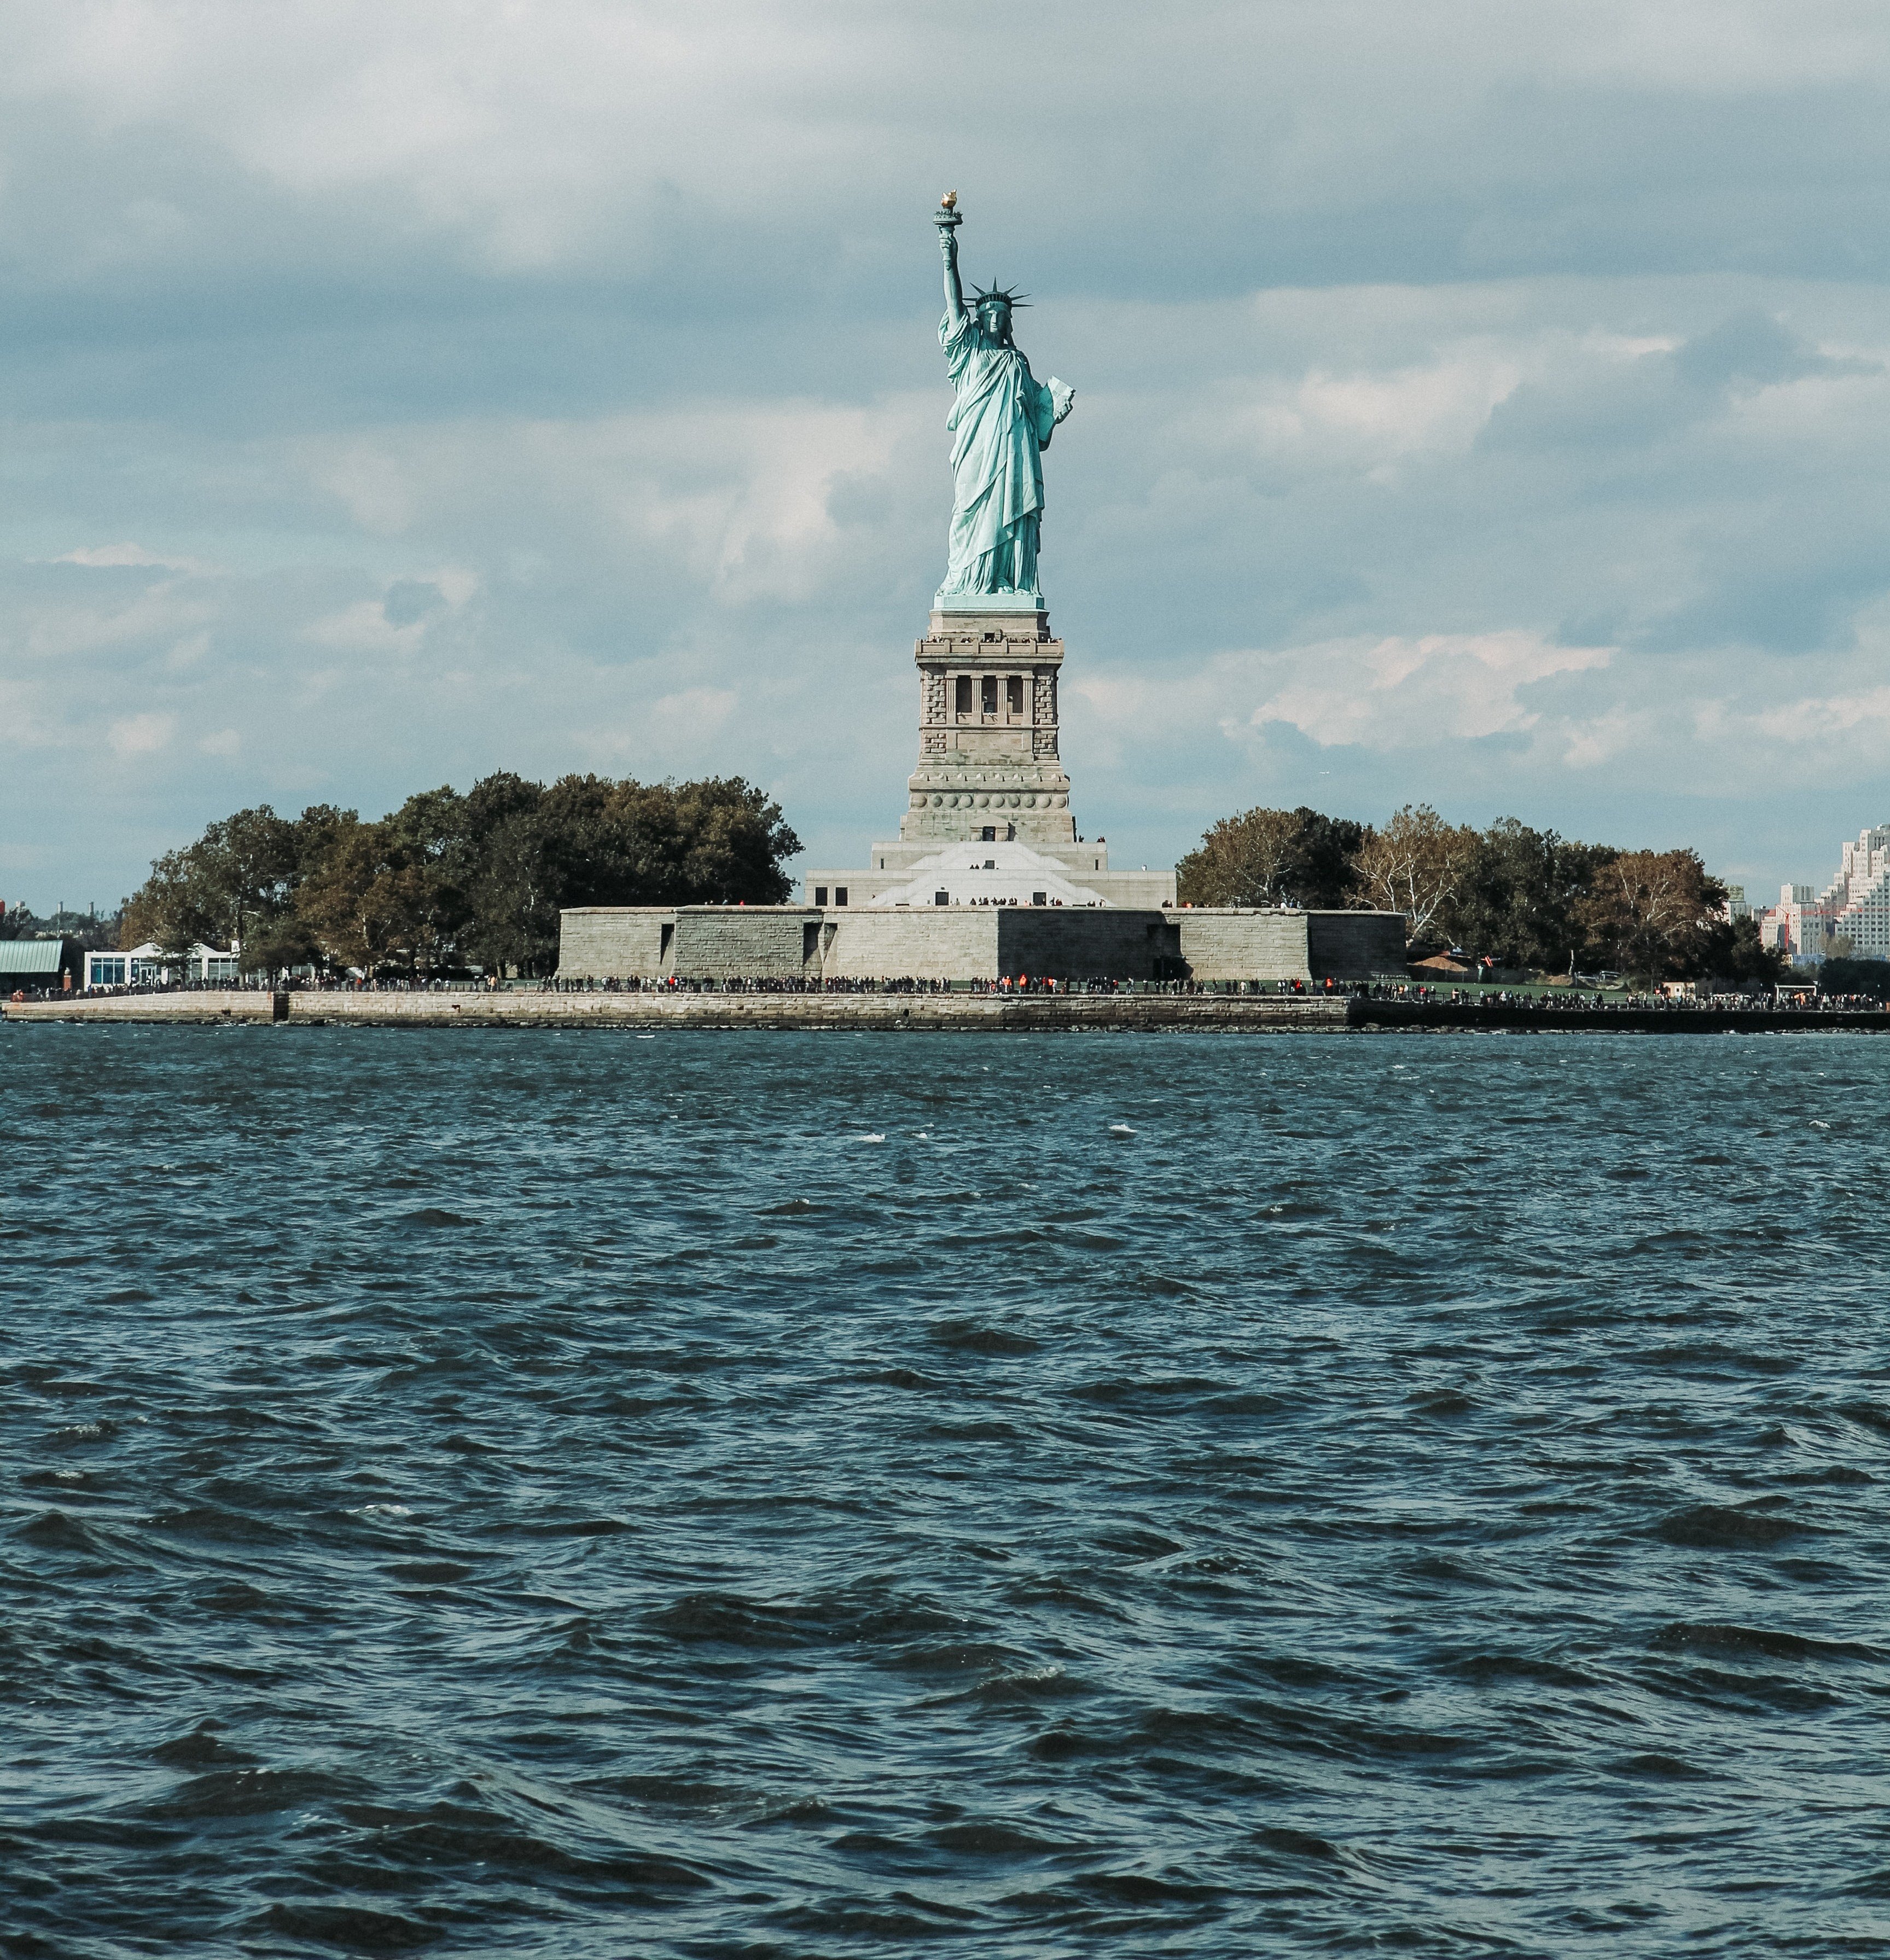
column 1012, row 300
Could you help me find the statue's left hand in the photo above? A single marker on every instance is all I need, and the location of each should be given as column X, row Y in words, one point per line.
column 1062, row 396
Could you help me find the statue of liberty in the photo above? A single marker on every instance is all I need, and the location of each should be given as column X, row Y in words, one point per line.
column 1001, row 424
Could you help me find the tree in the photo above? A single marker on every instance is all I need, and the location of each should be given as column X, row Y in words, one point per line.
column 1271, row 857
column 182, row 901
column 1520, row 897
column 252, row 864
column 509, row 884
column 719, row 841
column 1325, row 872
column 1730, row 950
column 1242, row 861
column 95, row 931
column 733, row 838
column 1865, row 976
column 447, row 877
column 385, row 893
column 235, row 886
column 1414, row 865
column 1653, row 912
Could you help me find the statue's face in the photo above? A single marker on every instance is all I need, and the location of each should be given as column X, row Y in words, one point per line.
column 994, row 317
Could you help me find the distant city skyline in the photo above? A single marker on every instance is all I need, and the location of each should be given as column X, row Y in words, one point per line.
column 395, row 395
column 1849, row 917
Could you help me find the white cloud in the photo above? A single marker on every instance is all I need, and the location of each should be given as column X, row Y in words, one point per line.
column 678, row 729
column 110, row 556
column 1603, row 738
column 457, row 583
column 369, row 480
column 24, row 721
column 364, row 627
column 736, row 496
column 72, row 632
column 1372, row 418
column 1813, row 719
column 1381, row 694
column 1398, row 692
column 696, row 711
column 141, row 734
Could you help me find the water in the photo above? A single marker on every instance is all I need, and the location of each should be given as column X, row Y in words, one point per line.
column 576, row 1494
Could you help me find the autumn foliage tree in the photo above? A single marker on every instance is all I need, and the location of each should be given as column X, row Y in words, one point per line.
column 1413, row 864
column 1522, row 897
column 1653, row 912
column 1266, row 857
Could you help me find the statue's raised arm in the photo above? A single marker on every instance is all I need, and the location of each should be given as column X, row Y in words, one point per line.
column 1001, row 423
column 948, row 245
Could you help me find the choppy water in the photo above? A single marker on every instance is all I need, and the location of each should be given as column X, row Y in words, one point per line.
column 578, row 1494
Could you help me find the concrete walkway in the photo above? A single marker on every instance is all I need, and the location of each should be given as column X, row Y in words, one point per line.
column 522, row 1008
column 915, row 1012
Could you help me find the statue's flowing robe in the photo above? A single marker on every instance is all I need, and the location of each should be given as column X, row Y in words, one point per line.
column 1001, row 424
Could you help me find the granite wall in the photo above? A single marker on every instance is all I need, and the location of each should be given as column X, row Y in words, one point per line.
column 1224, row 944
column 1216, row 945
column 1070, row 945
column 1355, row 946
column 614, row 942
column 974, row 943
column 739, row 942
column 528, row 1007
column 931, row 942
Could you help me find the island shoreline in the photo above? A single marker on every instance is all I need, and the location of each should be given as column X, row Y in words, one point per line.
column 917, row 1013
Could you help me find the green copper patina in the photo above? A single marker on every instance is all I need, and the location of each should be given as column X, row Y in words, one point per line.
column 1000, row 425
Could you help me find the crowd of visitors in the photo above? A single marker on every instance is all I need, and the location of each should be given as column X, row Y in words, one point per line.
column 1020, row 984
column 1794, row 1000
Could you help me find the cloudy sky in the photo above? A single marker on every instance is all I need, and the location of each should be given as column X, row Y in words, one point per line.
column 1483, row 404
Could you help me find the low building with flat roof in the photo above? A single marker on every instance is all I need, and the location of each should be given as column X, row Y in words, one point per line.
column 39, row 965
column 146, row 966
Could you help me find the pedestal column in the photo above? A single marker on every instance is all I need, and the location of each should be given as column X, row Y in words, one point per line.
column 989, row 759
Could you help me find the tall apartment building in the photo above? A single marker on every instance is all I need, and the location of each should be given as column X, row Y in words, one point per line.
column 1855, row 906
column 1860, row 894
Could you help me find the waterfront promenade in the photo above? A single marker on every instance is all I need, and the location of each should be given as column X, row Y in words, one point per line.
column 853, row 1012
column 919, row 1011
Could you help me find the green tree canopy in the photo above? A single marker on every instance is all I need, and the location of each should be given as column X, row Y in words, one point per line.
column 240, row 875
column 448, row 879
column 1870, row 977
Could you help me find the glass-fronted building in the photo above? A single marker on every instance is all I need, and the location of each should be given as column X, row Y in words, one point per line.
column 145, row 966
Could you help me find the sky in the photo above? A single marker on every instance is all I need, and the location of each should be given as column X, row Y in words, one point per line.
column 1479, row 404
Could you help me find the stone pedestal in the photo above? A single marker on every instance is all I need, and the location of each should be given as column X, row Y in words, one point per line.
column 989, row 774
column 989, row 769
